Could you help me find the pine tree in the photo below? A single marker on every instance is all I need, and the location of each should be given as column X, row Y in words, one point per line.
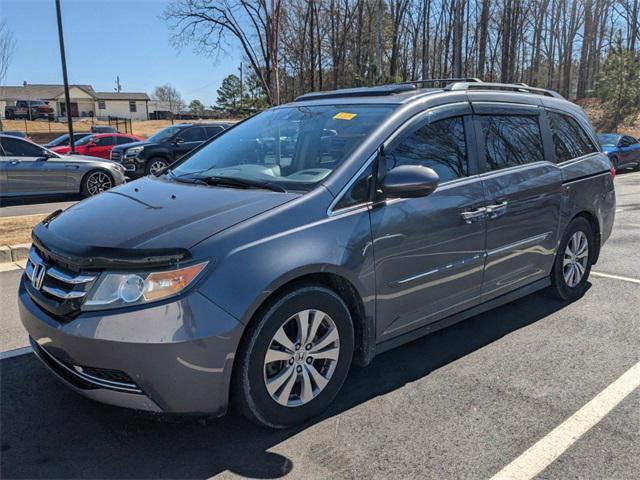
column 618, row 85
column 229, row 93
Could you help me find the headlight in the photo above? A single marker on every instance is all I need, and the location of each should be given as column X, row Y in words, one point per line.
column 123, row 289
column 133, row 151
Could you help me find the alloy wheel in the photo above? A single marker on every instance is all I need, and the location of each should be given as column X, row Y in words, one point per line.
column 156, row 167
column 98, row 182
column 301, row 358
column 576, row 257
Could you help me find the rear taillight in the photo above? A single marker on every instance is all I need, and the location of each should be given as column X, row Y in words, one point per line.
column 612, row 170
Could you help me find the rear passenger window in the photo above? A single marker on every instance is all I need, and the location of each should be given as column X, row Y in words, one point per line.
column 195, row 134
column 569, row 138
column 511, row 140
column 212, row 131
column 440, row 145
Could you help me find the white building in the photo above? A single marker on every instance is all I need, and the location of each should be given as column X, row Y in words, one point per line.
column 85, row 101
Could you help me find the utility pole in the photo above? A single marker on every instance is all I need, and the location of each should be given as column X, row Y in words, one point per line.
column 241, row 87
column 66, row 80
column 118, row 86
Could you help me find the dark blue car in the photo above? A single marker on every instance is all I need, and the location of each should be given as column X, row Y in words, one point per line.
column 623, row 150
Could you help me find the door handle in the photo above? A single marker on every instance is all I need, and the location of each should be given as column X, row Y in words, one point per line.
column 471, row 216
column 497, row 210
column 15, row 162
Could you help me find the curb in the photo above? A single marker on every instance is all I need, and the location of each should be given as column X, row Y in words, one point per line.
column 14, row 253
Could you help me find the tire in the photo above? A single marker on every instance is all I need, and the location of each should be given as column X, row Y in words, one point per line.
column 154, row 165
column 564, row 285
column 95, row 182
column 252, row 372
column 615, row 162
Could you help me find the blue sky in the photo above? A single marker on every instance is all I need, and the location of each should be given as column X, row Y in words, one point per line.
column 107, row 38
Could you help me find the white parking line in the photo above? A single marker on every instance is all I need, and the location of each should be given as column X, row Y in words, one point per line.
column 615, row 277
column 16, row 352
column 549, row 448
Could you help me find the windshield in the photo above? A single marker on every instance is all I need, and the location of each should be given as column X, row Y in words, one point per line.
column 291, row 147
column 59, row 140
column 164, row 134
column 609, row 139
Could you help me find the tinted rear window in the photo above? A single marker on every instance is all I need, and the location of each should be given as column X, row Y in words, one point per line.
column 511, row 140
column 569, row 138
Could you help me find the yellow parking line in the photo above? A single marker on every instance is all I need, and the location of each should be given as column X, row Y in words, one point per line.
column 549, row 448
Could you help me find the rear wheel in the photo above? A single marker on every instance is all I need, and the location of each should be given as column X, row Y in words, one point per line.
column 155, row 166
column 573, row 260
column 295, row 358
column 615, row 162
column 95, row 182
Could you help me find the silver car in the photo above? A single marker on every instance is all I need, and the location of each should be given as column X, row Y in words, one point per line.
column 29, row 169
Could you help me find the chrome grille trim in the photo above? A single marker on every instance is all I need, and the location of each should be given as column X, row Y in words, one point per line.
column 62, row 294
column 70, row 279
column 98, row 382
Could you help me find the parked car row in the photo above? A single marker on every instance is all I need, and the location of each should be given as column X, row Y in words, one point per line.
column 154, row 154
column 28, row 169
column 97, row 145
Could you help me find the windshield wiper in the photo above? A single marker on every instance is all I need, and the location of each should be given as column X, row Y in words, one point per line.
column 240, row 183
column 214, row 180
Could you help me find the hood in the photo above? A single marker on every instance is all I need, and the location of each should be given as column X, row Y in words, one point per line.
column 142, row 143
column 155, row 213
column 89, row 158
column 609, row 148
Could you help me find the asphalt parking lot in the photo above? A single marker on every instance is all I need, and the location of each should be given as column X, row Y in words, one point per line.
column 464, row 402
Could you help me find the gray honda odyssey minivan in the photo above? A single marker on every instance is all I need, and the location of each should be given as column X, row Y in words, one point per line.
column 315, row 235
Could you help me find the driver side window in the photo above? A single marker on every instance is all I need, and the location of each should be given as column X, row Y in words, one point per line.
column 18, row 148
column 440, row 145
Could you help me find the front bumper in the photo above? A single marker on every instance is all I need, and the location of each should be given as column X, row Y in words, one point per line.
column 174, row 357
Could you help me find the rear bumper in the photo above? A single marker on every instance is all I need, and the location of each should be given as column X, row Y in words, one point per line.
column 176, row 357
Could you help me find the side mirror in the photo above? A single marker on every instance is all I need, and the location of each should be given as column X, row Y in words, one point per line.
column 410, row 181
column 178, row 141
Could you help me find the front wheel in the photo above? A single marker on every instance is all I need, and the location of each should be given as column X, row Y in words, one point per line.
column 294, row 358
column 96, row 182
column 155, row 166
column 573, row 261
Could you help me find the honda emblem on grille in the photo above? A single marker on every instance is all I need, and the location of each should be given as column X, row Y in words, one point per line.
column 37, row 276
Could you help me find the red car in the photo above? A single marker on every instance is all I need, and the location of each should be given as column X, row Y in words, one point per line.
column 98, row 145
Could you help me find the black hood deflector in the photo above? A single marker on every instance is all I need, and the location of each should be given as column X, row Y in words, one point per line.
column 76, row 256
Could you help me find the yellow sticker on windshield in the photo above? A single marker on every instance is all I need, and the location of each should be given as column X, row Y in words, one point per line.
column 345, row 116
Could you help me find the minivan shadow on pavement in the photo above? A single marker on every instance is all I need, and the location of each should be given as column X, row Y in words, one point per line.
column 49, row 431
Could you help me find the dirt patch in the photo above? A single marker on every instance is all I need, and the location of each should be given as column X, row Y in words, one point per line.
column 143, row 128
column 15, row 230
column 597, row 115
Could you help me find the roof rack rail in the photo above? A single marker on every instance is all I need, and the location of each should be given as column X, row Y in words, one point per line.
column 513, row 87
column 375, row 91
column 444, row 81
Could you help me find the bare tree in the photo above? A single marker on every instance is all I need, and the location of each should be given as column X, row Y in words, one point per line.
column 7, row 49
column 170, row 96
column 256, row 25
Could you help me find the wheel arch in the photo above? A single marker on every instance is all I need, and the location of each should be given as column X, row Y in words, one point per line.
column 363, row 325
column 595, row 226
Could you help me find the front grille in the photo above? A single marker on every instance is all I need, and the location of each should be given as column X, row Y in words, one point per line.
column 55, row 288
column 116, row 155
column 87, row 377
